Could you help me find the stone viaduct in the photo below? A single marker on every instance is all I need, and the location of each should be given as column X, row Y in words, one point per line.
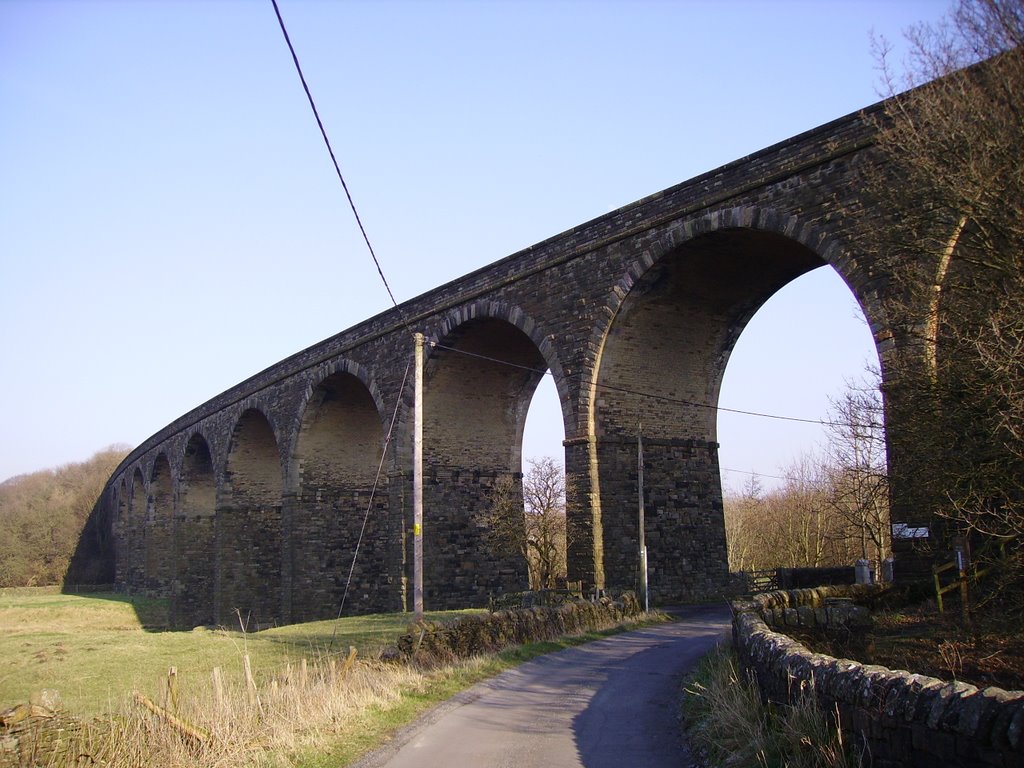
column 256, row 500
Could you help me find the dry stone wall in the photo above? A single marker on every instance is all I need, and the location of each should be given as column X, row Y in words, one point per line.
column 903, row 719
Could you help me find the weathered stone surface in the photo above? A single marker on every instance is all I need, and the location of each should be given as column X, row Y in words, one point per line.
column 1015, row 728
column 1002, row 730
column 48, row 700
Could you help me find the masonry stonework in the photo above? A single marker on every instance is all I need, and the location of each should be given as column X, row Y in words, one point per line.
column 902, row 720
column 262, row 501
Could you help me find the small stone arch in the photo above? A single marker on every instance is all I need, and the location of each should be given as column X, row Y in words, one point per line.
column 516, row 317
column 340, row 502
column 484, row 363
column 197, row 480
column 248, row 524
column 138, row 509
column 195, row 549
column 159, row 528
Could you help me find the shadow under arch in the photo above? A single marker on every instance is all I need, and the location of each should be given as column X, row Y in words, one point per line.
column 95, row 563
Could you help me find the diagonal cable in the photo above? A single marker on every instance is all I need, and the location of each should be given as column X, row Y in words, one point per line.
column 330, row 150
column 369, row 504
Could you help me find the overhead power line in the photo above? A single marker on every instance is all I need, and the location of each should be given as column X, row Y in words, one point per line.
column 753, row 474
column 380, row 271
column 330, row 150
column 652, row 395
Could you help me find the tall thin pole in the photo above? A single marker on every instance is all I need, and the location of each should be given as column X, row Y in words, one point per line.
column 640, row 507
column 417, row 483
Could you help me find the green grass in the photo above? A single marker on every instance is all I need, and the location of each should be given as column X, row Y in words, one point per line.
column 95, row 648
column 370, row 634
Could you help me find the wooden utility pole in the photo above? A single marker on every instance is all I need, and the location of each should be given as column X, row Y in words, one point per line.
column 417, row 484
column 640, row 505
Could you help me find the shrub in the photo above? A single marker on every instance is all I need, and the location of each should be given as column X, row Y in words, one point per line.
column 472, row 635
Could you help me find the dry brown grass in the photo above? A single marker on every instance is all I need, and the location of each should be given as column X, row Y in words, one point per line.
column 728, row 723
column 273, row 723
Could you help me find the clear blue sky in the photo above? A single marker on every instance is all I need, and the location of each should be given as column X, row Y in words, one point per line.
column 170, row 223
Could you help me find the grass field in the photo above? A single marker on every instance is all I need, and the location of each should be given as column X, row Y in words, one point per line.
column 95, row 649
column 309, row 704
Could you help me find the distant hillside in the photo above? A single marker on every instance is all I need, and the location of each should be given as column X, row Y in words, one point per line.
column 42, row 515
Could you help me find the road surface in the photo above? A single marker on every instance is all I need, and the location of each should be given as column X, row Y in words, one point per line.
column 610, row 703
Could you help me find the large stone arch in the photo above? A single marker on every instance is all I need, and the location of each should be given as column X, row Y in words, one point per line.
column 195, row 550
column 248, row 525
column 159, row 528
column 480, row 374
column 340, row 503
column 678, row 311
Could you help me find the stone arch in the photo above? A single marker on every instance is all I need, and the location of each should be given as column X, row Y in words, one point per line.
column 516, row 317
column 479, row 378
column 122, row 534
column 676, row 315
column 195, row 536
column 138, row 509
column 814, row 238
column 340, row 502
column 338, row 367
column 197, row 483
column 159, row 528
column 340, row 405
column 248, row 525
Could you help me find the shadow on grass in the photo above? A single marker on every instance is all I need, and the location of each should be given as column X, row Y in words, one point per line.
column 151, row 612
column 370, row 633
column 91, row 571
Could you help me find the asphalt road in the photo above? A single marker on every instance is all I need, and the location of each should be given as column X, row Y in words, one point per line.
column 610, row 703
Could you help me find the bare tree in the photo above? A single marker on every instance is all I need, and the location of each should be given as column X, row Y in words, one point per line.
column 953, row 176
column 832, row 507
column 858, row 482
column 787, row 527
column 529, row 519
column 740, row 518
column 800, row 514
column 547, row 532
